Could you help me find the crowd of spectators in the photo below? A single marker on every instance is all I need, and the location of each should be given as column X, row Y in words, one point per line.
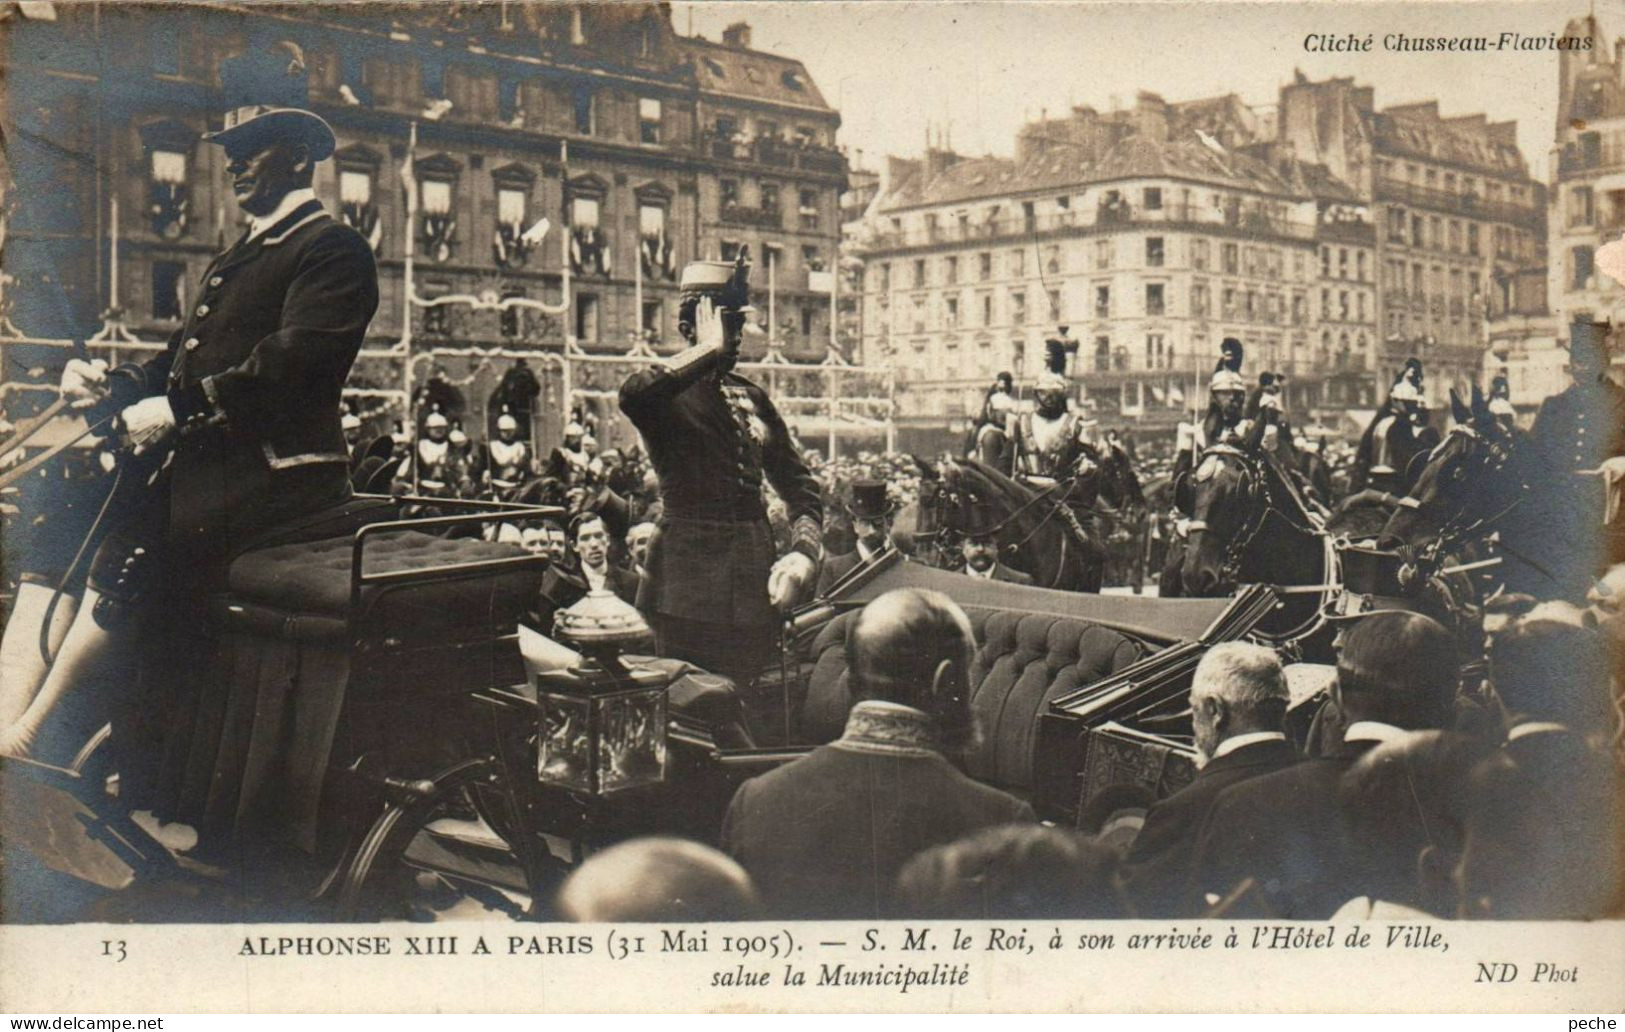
column 1401, row 801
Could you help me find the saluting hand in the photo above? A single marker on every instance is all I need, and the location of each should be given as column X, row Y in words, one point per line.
column 708, row 330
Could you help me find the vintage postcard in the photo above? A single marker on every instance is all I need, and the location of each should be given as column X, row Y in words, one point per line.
column 812, row 506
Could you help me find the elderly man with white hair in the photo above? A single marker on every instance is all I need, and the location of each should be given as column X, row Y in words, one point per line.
column 1238, row 706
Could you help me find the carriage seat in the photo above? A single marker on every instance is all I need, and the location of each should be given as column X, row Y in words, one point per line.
column 1023, row 661
column 312, row 580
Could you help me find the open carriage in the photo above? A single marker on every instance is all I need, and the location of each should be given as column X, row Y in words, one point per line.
column 368, row 710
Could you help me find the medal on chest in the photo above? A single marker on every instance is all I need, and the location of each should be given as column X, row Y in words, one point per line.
column 746, row 415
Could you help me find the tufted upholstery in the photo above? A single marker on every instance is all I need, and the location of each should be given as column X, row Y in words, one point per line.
column 314, row 576
column 1022, row 662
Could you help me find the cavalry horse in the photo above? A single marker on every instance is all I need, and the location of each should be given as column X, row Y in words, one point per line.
column 1250, row 525
column 1039, row 530
column 1485, row 491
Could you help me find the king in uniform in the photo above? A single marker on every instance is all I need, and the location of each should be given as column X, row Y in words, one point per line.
column 715, row 587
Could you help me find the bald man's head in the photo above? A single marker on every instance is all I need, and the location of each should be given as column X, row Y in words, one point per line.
column 914, row 647
column 658, row 879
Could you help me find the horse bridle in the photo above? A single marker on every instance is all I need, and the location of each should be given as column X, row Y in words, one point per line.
column 1451, row 529
column 1255, row 485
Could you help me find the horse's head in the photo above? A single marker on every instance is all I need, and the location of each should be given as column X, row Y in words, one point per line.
column 1463, row 476
column 1226, row 505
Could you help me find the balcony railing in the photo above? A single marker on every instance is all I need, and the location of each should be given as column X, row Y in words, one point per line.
column 1174, row 217
column 1458, row 203
column 776, row 153
column 767, row 218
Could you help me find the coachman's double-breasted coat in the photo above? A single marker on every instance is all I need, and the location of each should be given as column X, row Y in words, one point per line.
column 254, row 376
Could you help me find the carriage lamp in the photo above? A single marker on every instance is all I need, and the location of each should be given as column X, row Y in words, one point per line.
column 602, row 722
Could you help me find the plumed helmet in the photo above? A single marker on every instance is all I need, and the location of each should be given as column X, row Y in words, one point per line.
column 1050, row 381
column 1056, row 349
column 573, row 430
column 1230, row 354
column 435, row 421
column 351, row 421
column 507, row 422
column 1226, row 379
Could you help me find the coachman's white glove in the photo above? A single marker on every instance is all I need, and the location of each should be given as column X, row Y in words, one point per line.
column 148, row 421
column 787, row 578
column 84, row 383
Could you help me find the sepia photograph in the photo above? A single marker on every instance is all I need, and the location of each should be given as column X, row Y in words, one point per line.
column 770, row 471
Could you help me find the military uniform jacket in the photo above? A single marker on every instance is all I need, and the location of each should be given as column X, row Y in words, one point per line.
column 254, row 376
column 1582, row 426
column 712, row 437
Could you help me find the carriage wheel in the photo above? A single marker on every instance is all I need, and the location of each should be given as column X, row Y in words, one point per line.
column 441, row 845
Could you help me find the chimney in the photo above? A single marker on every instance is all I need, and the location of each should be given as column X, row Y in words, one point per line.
column 938, row 159
column 1151, row 115
column 737, row 36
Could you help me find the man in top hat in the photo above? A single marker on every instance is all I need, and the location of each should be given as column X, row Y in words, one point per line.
column 871, row 513
column 1581, row 436
column 509, row 457
column 716, row 586
column 245, row 400
column 979, row 547
column 1053, row 442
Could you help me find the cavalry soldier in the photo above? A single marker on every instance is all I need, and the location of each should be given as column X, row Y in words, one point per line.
column 1223, row 424
column 569, row 462
column 715, row 589
column 508, row 457
column 436, row 461
column 987, row 434
column 1053, row 442
column 1396, row 435
column 247, row 394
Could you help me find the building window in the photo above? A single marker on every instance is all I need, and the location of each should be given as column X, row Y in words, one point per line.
column 808, row 209
column 511, row 203
column 1018, row 264
column 885, row 277
column 919, row 272
column 648, row 120
column 1153, row 251
column 728, row 191
column 770, row 197
column 1153, row 198
column 984, row 265
column 987, row 309
column 1199, row 254
column 587, row 318
column 1103, row 253
column 510, row 323
column 812, row 258
column 1472, row 239
column 1199, row 300
column 1103, row 354
column 806, row 321
column 168, row 290
column 1018, row 307
column 1582, row 208
column 582, row 100
column 435, row 317
column 1055, row 312
column 730, row 250
column 950, row 269
column 355, row 188
column 1230, row 259
column 1580, row 262
column 1153, row 299
column 950, row 313
column 1103, row 302
column 653, row 317
column 1153, row 350
column 1416, row 231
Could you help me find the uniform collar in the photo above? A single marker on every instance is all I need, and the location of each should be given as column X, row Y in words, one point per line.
column 890, row 728
column 291, row 201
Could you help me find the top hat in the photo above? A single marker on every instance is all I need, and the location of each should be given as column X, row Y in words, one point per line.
column 869, row 501
column 266, row 93
column 980, row 522
column 1589, row 336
